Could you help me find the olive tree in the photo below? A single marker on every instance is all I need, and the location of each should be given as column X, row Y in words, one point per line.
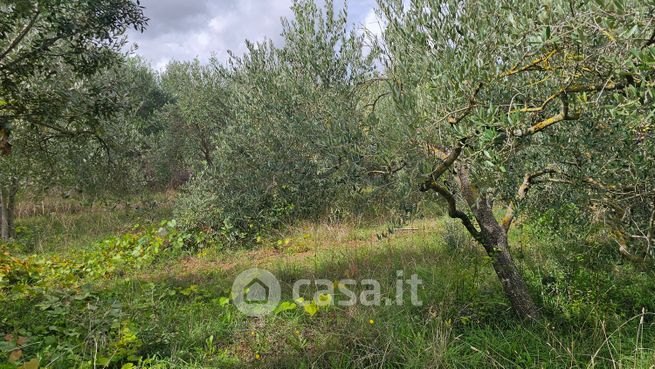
column 48, row 52
column 292, row 124
column 199, row 94
column 498, row 100
column 37, row 37
column 79, row 147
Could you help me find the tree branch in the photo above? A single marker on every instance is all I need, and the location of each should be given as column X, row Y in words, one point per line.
column 540, row 126
column 45, row 45
column 534, row 65
column 453, row 212
column 390, row 170
column 469, row 191
column 620, row 238
column 609, row 86
column 448, row 161
column 20, row 36
column 464, row 111
column 544, row 104
column 528, row 181
column 375, row 102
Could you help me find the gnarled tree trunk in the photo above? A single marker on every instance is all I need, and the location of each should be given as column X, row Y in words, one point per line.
column 4, row 218
column 492, row 235
column 8, row 209
column 515, row 288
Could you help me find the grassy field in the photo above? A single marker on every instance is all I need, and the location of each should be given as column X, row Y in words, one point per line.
column 156, row 297
column 57, row 225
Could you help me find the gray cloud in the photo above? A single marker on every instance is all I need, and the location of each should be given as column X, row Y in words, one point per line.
column 172, row 16
column 183, row 30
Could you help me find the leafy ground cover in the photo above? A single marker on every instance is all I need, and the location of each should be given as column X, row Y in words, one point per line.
column 157, row 297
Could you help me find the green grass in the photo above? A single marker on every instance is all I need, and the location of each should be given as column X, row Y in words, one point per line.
column 170, row 315
column 61, row 232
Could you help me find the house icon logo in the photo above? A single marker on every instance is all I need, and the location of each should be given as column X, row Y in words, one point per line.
column 256, row 292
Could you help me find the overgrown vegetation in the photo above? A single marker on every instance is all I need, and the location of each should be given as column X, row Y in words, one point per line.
column 128, row 302
column 130, row 198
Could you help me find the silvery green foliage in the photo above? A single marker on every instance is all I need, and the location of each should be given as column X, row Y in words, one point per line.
column 66, row 152
column 57, row 88
column 290, row 131
column 42, row 42
column 525, row 87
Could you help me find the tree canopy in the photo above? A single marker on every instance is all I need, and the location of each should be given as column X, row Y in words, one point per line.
column 500, row 110
column 41, row 42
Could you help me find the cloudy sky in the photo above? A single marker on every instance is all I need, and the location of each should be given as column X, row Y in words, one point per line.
column 186, row 29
